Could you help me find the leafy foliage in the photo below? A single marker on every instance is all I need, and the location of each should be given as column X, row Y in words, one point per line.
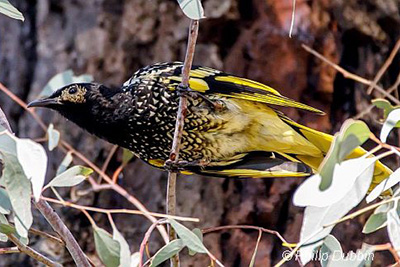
column 9, row 10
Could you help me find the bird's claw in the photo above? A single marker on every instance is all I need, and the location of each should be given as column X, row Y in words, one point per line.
column 182, row 165
column 174, row 166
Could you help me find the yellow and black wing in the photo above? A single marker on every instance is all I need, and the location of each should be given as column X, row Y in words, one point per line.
column 210, row 81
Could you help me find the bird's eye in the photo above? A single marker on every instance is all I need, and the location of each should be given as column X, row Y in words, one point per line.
column 72, row 90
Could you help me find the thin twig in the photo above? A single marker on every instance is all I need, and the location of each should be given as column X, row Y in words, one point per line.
column 46, row 235
column 117, row 188
column 107, row 161
column 58, row 225
column 32, row 253
column 350, row 75
column 241, row 227
column 384, row 67
column 389, row 247
column 145, row 240
column 125, row 211
column 180, row 119
column 293, row 18
column 9, row 250
column 253, row 258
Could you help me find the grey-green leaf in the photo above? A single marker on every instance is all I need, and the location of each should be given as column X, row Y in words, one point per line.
column 352, row 134
column 167, row 251
column 53, row 137
column 316, row 219
column 9, row 10
column 199, row 234
column 65, row 163
column 386, row 184
column 392, row 119
column 5, row 204
column 393, row 227
column 71, row 177
column 106, row 247
column 344, row 176
column 192, row 9
column 330, row 248
column 3, row 220
column 19, row 190
column 125, row 253
column 375, row 222
column 33, row 159
column 189, row 238
column 126, row 156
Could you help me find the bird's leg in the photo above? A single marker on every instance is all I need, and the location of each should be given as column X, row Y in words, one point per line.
column 215, row 105
column 184, row 165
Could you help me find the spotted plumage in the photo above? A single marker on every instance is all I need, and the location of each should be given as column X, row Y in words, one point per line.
column 232, row 127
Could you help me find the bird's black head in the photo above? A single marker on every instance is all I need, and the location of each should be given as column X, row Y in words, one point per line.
column 69, row 97
column 94, row 107
column 77, row 102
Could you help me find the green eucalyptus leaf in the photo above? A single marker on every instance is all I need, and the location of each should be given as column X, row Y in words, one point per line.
column 106, row 247
column 352, row 135
column 71, row 177
column 167, row 252
column 126, row 156
column 330, row 248
column 393, row 228
column 125, row 253
column 135, row 259
column 53, row 136
column 199, row 234
column 9, row 10
column 65, row 163
column 386, row 184
column 33, row 159
column 19, row 190
column 316, row 219
column 375, row 222
column 383, row 104
column 3, row 220
column 192, row 9
column 190, row 239
column 344, row 176
column 391, row 121
column 5, row 204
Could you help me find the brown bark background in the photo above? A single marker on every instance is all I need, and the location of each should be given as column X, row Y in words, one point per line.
column 111, row 39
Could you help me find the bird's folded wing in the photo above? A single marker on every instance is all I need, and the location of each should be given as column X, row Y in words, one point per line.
column 257, row 164
column 210, row 81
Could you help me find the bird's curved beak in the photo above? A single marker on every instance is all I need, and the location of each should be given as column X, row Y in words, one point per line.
column 44, row 102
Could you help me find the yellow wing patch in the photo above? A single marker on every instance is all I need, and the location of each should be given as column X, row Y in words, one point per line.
column 246, row 82
column 248, row 173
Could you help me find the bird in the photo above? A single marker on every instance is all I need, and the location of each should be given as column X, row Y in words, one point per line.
column 233, row 126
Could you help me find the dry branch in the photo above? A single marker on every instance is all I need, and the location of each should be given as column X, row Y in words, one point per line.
column 32, row 253
column 58, row 225
column 180, row 120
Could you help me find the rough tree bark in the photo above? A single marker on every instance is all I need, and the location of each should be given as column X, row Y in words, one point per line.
column 110, row 39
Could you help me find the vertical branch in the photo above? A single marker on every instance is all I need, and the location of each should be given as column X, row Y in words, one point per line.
column 180, row 119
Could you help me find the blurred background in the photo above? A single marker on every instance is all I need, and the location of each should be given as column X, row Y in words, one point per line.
column 111, row 39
